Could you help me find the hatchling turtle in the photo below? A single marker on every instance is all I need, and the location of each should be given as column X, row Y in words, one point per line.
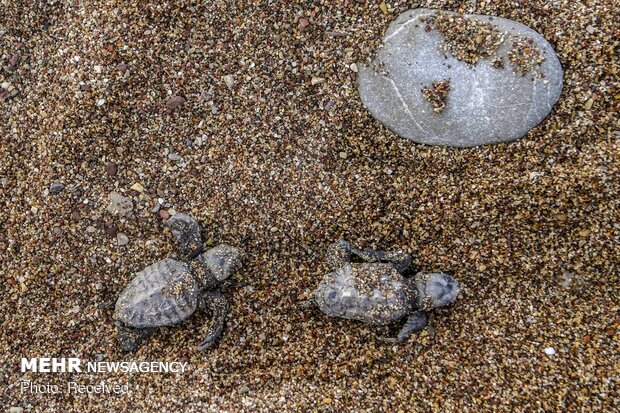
column 169, row 291
column 376, row 292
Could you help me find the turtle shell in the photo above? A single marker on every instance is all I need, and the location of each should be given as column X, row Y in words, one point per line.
column 162, row 294
column 374, row 293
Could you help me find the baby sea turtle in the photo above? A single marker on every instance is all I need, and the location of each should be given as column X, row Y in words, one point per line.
column 169, row 291
column 376, row 292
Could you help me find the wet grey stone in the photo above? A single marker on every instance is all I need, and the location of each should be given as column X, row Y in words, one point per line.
column 56, row 187
column 487, row 103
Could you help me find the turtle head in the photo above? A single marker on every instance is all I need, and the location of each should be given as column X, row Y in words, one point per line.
column 436, row 289
column 221, row 261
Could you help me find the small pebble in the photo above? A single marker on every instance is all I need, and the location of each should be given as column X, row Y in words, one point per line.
column 384, row 8
column 56, row 187
column 122, row 239
column 316, row 80
column 138, row 187
column 14, row 60
column 122, row 67
column 16, row 409
column 229, row 80
column 111, row 229
column 164, row 214
column 329, row 105
column 175, row 102
column 100, row 102
column 550, row 351
column 111, row 169
column 303, row 24
column 119, row 205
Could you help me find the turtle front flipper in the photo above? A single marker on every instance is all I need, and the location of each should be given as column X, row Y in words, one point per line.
column 218, row 304
column 131, row 338
column 186, row 230
column 338, row 254
column 415, row 322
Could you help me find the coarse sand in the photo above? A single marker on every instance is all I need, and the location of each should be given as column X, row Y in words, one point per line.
column 246, row 115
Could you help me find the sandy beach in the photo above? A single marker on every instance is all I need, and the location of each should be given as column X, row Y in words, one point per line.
column 246, row 115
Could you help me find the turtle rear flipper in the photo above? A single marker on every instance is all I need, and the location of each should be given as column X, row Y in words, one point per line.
column 415, row 322
column 131, row 338
column 186, row 230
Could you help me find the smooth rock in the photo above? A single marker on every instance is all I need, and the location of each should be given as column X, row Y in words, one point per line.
column 442, row 78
